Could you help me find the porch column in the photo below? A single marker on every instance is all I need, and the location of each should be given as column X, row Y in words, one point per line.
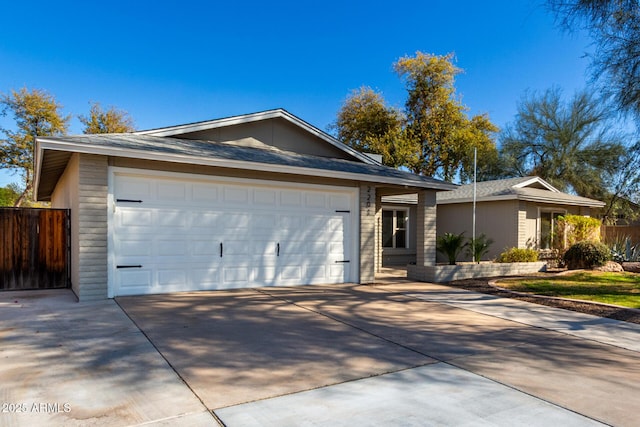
column 368, row 240
column 426, row 229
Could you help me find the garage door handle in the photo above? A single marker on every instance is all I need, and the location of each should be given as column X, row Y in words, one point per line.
column 278, row 249
column 128, row 200
column 128, row 266
column 343, row 261
column 221, row 249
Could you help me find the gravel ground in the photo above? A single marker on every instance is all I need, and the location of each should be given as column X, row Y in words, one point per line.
column 601, row 310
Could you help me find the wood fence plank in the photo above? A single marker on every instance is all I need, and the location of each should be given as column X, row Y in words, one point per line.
column 33, row 248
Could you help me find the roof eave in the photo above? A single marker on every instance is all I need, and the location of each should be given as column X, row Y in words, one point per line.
column 586, row 202
column 61, row 145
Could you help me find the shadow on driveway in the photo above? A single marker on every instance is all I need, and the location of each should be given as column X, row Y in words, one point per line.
column 240, row 346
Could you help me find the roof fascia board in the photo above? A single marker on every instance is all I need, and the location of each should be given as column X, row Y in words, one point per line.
column 45, row 144
column 210, row 124
column 528, row 198
column 538, row 180
column 254, row 117
column 39, row 153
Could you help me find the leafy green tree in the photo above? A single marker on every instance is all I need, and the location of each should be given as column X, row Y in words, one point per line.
column 36, row 113
column 9, row 194
column 367, row 124
column 566, row 144
column 614, row 26
column 624, row 189
column 433, row 135
column 112, row 120
column 436, row 119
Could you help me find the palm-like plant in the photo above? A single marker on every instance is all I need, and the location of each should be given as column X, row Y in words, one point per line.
column 478, row 247
column 451, row 245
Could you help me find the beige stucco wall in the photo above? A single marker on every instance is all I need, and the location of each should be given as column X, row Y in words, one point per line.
column 277, row 133
column 498, row 220
column 83, row 189
column 65, row 196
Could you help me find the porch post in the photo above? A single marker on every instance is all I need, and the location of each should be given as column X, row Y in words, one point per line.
column 426, row 229
column 368, row 240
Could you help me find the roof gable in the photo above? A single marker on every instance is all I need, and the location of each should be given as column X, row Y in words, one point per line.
column 268, row 129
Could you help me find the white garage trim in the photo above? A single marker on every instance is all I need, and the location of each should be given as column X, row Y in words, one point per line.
column 343, row 221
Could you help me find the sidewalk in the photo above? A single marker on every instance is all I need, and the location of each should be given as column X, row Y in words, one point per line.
column 607, row 331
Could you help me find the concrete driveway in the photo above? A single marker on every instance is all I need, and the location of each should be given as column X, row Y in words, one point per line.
column 392, row 354
column 403, row 353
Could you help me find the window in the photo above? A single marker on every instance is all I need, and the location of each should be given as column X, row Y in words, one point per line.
column 549, row 238
column 394, row 228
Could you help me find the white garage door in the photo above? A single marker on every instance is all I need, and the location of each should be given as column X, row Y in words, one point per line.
column 180, row 234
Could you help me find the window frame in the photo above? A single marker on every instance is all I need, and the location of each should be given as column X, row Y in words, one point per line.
column 394, row 226
column 551, row 212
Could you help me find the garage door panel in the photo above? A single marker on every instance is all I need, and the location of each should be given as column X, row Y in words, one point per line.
column 171, row 191
column 133, row 248
column 205, row 220
column 206, row 278
column 264, row 248
column 171, row 247
column 169, row 220
column 133, row 188
column 235, row 195
column 264, row 198
column 235, row 275
column 292, row 273
column 340, row 202
column 337, row 271
column 315, row 273
column 270, row 236
column 235, row 248
column 205, row 193
column 167, row 277
column 204, row 248
column 134, row 280
column 131, row 217
column 265, row 274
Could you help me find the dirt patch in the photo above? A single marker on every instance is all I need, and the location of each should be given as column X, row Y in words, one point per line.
column 601, row 310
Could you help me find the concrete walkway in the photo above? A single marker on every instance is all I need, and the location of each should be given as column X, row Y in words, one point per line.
column 397, row 353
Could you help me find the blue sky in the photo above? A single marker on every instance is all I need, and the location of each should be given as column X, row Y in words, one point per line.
column 169, row 62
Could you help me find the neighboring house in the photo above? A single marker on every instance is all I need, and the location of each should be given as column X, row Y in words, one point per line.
column 254, row 200
column 516, row 212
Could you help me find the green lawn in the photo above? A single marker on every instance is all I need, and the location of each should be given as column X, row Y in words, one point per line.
column 611, row 288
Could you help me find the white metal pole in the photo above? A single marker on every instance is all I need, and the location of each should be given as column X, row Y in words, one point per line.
column 475, row 176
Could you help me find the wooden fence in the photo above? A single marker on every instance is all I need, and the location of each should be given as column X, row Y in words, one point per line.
column 611, row 232
column 34, row 248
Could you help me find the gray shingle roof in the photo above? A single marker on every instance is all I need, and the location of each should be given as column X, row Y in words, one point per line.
column 234, row 156
column 514, row 188
column 521, row 188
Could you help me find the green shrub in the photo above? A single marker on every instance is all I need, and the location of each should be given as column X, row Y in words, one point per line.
column 587, row 254
column 578, row 228
column 450, row 244
column 518, row 255
column 478, row 247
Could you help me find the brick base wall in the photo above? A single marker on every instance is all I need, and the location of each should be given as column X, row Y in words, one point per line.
column 447, row 273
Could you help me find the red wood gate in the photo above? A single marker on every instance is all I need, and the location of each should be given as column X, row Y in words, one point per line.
column 34, row 248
